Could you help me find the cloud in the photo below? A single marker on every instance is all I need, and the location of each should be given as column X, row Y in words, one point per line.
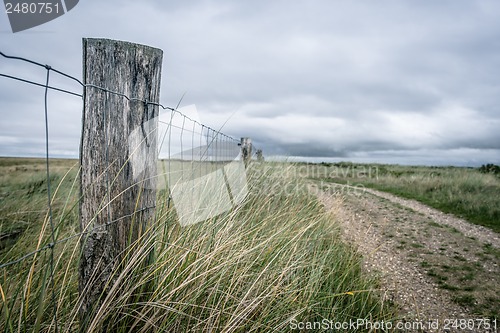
column 317, row 78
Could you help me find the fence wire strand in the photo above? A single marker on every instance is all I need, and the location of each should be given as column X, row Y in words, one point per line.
column 52, row 236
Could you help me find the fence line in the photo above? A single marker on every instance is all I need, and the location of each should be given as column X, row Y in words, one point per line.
column 207, row 146
column 174, row 111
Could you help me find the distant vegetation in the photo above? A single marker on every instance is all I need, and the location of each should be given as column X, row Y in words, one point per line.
column 490, row 168
column 471, row 193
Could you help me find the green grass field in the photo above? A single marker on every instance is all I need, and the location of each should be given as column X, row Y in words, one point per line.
column 278, row 257
column 470, row 193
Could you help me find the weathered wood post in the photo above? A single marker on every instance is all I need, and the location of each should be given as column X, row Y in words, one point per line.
column 260, row 156
column 118, row 179
column 246, row 150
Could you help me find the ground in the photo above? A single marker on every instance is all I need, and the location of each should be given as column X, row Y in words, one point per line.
column 432, row 266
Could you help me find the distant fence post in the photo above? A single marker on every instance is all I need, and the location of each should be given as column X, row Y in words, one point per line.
column 118, row 179
column 260, row 156
column 246, row 150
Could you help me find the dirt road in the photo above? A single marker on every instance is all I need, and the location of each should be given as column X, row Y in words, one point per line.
column 432, row 266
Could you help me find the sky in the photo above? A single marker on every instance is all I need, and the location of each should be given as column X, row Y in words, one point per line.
column 388, row 81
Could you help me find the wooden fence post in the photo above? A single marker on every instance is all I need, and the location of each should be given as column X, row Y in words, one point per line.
column 246, row 150
column 260, row 156
column 118, row 180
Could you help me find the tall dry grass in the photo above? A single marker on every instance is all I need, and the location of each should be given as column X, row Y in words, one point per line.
column 276, row 257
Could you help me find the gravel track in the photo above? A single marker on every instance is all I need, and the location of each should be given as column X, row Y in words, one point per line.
column 432, row 266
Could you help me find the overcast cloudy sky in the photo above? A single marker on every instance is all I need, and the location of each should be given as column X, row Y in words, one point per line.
column 402, row 81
